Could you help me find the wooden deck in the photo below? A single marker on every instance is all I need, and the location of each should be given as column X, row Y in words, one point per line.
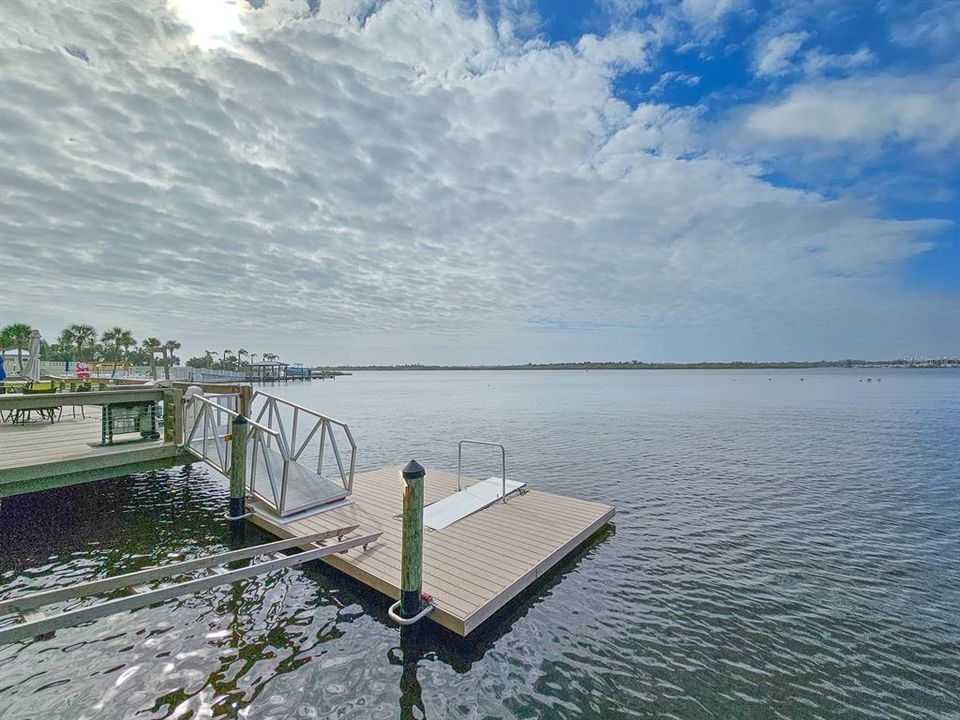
column 473, row 567
column 41, row 455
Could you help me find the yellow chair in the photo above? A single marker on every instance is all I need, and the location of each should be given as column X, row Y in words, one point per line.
column 38, row 387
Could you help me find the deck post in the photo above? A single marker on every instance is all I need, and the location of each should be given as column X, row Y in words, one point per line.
column 411, row 558
column 169, row 417
column 238, row 474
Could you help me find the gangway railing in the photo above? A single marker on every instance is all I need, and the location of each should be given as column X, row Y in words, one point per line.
column 308, row 430
column 283, row 439
column 503, row 463
column 210, row 438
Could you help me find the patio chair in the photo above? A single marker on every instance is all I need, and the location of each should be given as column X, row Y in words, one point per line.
column 38, row 388
column 82, row 387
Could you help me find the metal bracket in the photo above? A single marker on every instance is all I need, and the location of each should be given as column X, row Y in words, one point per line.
column 392, row 612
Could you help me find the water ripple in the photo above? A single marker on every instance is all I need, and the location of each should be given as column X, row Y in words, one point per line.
column 780, row 550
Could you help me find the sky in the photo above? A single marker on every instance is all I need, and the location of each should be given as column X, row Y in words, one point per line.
column 483, row 181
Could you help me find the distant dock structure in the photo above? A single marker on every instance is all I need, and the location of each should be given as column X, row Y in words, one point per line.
column 264, row 372
column 271, row 371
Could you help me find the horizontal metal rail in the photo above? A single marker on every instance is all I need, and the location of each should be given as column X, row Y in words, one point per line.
column 233, row 414
column 95, row 587
column 47, row 624
column 503, row 463
column 17, row 401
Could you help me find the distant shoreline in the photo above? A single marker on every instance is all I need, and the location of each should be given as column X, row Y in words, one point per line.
column 799, row 365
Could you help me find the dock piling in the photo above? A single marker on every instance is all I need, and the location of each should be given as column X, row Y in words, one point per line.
column 238, row 475
column 411, row 560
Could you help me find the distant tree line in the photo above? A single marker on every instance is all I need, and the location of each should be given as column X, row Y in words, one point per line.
column 83, row 342
column 639, row 365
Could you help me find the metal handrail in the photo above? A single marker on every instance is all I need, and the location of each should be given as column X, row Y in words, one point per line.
column 255, row 431
column 321, row 425
column 234, row 413
column 273, row 442
column 503, row 463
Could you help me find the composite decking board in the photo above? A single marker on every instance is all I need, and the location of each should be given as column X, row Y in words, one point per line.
column 450, row 557
column 472, row 567
column 496, row 547
column 545, row 528
column 499, row 551
column 504, row 519
column 69, row 448
column 497, row 542
column 513, row 539
column 543, row 567
column 441, row 553
column 389, row 545
column 438, row 572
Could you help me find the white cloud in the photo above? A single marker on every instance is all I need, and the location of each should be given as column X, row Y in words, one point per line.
column 776, row 56
column 625, row 50
column 336, row 187
column 783, row 54
column 674, row 76
column 924, row 111
column 817, row 62
column 931, row 26
column 705, row 16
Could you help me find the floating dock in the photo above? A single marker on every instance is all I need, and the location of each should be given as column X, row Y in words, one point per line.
column 474, row 566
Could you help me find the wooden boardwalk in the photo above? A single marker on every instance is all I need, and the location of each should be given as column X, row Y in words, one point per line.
column 473, row 567
column 40, row 455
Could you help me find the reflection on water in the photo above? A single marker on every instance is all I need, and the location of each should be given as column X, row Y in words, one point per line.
column 781, row 549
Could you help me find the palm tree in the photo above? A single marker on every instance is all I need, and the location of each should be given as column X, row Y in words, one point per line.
column 19, row 335
column 66, row 341
column 120, row 338
column 127, row 342
column 270, row 357
column 149, row 343
column 210, row 354
column 241, row 353
column 171, row 346
column 82, row 334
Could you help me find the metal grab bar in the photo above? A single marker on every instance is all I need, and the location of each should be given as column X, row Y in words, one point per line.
column 503, row 463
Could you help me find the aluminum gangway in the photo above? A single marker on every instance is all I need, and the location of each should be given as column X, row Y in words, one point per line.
column 215, row 570
column 287, row 446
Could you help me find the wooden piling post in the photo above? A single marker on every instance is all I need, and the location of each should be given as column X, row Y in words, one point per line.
column 411, row 559
column 246, row 399
column 169, row 416
column 238, row 469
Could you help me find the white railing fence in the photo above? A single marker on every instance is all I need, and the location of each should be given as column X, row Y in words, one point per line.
column 310, row 436
column 208, row 423
column 281, row 434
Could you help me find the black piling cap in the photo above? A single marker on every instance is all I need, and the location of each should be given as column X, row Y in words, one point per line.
column 413, row 470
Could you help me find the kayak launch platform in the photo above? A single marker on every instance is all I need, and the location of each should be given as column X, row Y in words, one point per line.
column 472, row 567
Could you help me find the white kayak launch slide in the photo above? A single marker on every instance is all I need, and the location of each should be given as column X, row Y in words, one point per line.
column 442, row 513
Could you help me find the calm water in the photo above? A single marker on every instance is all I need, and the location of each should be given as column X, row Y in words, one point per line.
column 782, row 549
